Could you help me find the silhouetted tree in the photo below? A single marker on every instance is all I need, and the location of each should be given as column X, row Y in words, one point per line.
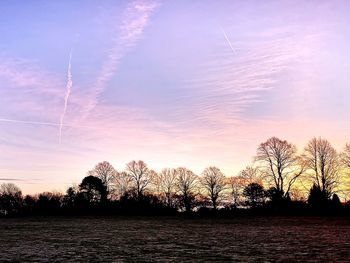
column 10, row 199
column 123, row 183
column 93, row 189
column 213, row 181
column 187, row 183
column 139, row 174
column 255, row 195
column 345, row 156
column 250, row 174
column 235, row 185
column 167, row 181
column 345, row 160
column 335, row 202
column 277, row 197
column 322, row 159
column 48, row 203
column 144, row 204
column 318, row 199
column 106, row 172
column 280, row 163
column 141, row 189
column 154, row 183
column 69, row 200
column 29, row 203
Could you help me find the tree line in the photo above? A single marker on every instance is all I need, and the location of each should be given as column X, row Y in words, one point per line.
column 280, row 178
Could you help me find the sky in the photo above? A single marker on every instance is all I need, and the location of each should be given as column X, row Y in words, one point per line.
column 173, row 83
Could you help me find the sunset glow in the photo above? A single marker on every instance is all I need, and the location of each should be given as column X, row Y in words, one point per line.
column 172, row 83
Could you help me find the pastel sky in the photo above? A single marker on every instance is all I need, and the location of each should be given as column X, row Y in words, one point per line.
column 174, row 83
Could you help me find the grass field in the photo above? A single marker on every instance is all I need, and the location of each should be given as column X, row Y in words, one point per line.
column 121, row 239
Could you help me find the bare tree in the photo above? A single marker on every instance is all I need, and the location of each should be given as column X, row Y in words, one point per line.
column 322, row 159
column 187, row 183
column 213, row 181
column 234, row 185
column 280, row 164
column 345, row 156
column 10, row 198
column 250, row 175
column 10, row 189
column 139, row 175
column 345, row 160
column 122, row 183
column 167, row 185
column 106, row 172
column 155, row 183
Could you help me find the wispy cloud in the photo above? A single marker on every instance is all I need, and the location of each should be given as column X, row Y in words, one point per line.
column 11, row 179
column 209, row 98
column 68, row 92
column 28, row 90
column 134, row 20
column 227, row 86
column 33, row 95
column 25, row 74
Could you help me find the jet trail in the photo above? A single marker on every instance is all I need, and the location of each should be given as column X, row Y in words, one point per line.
column 68, row 92
column 228, row 41
column 41, row 123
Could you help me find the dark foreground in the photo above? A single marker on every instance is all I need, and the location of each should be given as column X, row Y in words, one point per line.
column 259, row 239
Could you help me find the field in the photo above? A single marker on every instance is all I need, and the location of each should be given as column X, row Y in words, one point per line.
column 121, row 239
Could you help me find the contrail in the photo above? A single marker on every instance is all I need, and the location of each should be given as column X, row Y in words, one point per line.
column 30, row 122
column 68, row 92
column 228, row 41
column 42, row 123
